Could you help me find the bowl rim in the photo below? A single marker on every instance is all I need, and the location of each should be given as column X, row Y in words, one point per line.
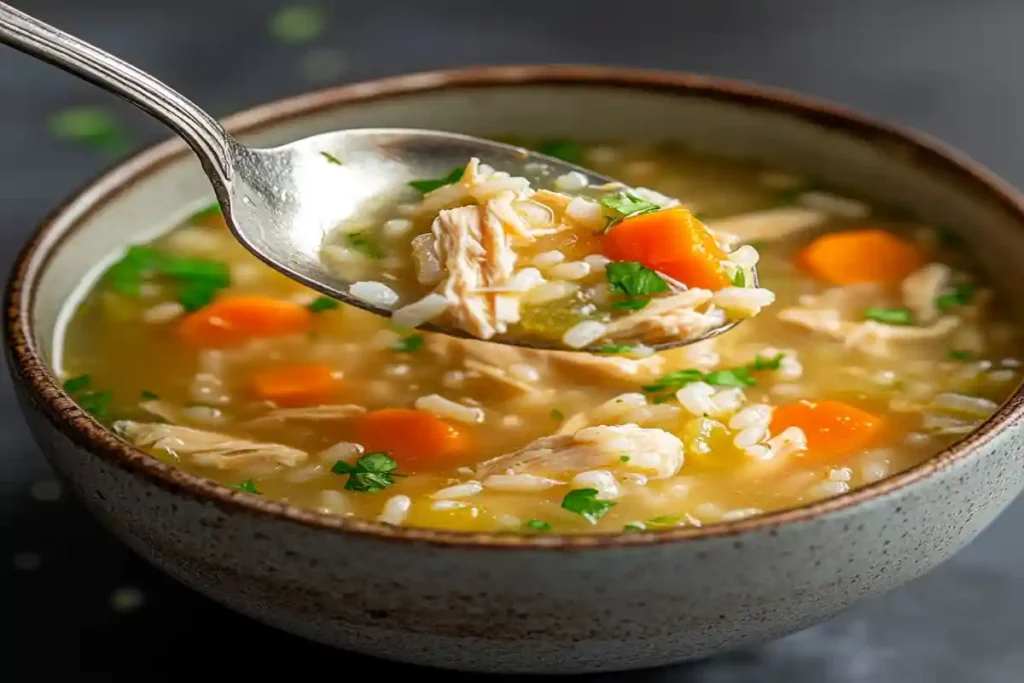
column 43, row 390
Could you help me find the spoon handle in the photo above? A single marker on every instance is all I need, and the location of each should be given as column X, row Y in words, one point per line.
column 200, row 130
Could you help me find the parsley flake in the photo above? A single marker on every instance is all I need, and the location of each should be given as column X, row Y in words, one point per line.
column 408, row 344
column 634, row 279
column 249, row 486
column 624, row 458
column 566, row 150
column 584, row 502
column 77, row 384
column 633, row 526
column 736, row 377
column 96, row 403
column 961, row 355
column 557, row 414
column 630, row 304
column 626, row 205
column 205, row 213
column 331, row 159
column 322, row 303
column 890, row 316
column 538, row 525
column 365, row 245
column 199, row 279
column 426, row 186
column 615, row 348
column 961, row 295
column 149, row 395
column 372, row 473
column 762, row 363
column 739, row 278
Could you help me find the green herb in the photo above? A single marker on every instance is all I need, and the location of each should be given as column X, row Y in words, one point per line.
column 557, row 414
column 200, row 279
column 426, row 186
column 538, row 525
column 889, row 316
column 736, row 377
column 195, row 295
column 626, row 205
column 615, row 348
column 664, row 520
column 205, row 213
column 633, row 527
column 761, row 363
column 149, row 395
column 961, row 295
column 249, row 486
column 298, row 23
column 633, row 279
column 372, row 473
column 630, row 304
column 624, row 458
column 584, row 502
column 365, row 245
column 661, row 398
column 957, row 354
column 322, row 303
column 408, row 344
column 674, row 381
column 96, row 403
column 739, row 278
column 565, row 150
column 77, row 384
column 93, row 127
column 331, row 158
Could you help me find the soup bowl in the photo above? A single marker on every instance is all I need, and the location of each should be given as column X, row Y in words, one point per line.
column 504, row 602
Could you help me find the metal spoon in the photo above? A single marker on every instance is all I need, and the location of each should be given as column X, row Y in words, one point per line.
column 280, row 202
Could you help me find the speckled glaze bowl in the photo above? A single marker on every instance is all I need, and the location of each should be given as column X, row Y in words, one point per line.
column 505, row 603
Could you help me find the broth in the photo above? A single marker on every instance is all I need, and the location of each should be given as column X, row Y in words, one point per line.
column 208, row 359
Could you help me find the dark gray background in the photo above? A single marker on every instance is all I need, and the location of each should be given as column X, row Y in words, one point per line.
column 948, row 67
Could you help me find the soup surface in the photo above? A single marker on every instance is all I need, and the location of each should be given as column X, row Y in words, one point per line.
column 884, row 345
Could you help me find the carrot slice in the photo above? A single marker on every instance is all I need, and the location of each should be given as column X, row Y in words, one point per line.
column 296, row 385
column 671, row 241
column 417, row 440
column 833, row 428
column 231, row 321
column 870, row 255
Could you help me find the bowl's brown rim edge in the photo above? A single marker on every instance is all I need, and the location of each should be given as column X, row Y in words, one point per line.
column 45, row 392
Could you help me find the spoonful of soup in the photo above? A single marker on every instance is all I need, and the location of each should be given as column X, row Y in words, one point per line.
column 450, row 233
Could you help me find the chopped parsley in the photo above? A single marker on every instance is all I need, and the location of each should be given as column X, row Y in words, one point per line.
column 93, row 127
column 666, row 385
column 322, row 303
column 961, row 295
column 889, row 316
column 249, row 486
column 633, row 527
column 634, row 280
column 584, row 502
column 205, row 213
column 372, row 473
column 538, row 525
column 149, row 395
column 626, row 205
column 566, row 150
column 426, row 186
column 663, row 520
column 739, row 278
column 199, row 279
column 298, row 23
column 331, row 158
column 961, row 355
column 365, row 245
column 762, row 363
column 557, row 414
column 630, row 304
column 408, row 344
column 736, row 377
column 615, row 348
column 77, row 384
column 624, row 458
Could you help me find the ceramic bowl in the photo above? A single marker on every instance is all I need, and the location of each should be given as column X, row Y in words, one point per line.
column 504, row 603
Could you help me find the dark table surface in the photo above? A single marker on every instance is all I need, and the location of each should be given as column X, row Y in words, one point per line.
column 84, row 605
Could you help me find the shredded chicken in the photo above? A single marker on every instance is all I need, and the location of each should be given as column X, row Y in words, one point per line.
column 307, row 414
column 771, row 224
column 209, row 449
column 922, row 287
column 868, row 336
column 671, row 316
column 653, row 451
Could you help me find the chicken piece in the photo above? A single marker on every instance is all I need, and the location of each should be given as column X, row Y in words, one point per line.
column 869, row 336
column 770, row 224
column 651, row 451
column 922, row 287
column 428, row 265
column 209, row 449
column 670, row 316
column 307, row 414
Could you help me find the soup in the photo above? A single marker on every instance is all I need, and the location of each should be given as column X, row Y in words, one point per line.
column 884, row 345
column 591, row 267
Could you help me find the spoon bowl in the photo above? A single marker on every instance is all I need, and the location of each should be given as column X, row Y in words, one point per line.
column 282, row 202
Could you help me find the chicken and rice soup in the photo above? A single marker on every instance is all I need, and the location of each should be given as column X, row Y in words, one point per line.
column 883, row 345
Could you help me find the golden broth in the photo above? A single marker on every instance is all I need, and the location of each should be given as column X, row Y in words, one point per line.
column 127, row 339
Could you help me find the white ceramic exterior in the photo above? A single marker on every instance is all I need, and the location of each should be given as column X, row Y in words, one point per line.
column 504, row 603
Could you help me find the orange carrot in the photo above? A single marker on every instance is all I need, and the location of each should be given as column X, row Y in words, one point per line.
column 230, row 321
column 833, row 428
column 869, row 255
column 671, row 241
column 417, row 440
column 296, row 385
